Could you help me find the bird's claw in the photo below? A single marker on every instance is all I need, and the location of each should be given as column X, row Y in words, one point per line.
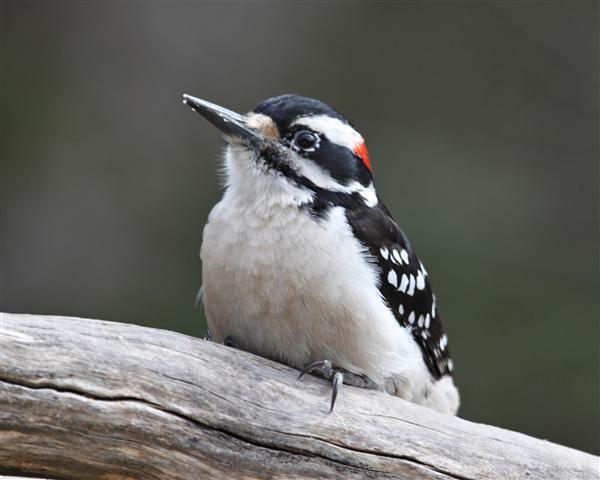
column 326, row 369
column 338, row 381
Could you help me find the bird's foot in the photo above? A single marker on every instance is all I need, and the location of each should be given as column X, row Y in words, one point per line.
column 338, row 377
column 326, row 370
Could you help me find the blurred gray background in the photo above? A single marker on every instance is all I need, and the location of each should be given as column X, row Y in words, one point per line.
column 482, row 126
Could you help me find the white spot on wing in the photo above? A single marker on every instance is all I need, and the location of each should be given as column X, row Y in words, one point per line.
column 420, row 280
column 427, row 320
column 403, row 283
column 396, row 256
column 384, row 253
column 392, row 278
column 401, row 309
column 421, row 321
column 411, row 318
column 404, row 255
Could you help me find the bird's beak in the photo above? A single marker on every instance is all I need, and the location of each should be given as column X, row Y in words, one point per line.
column 232, row 124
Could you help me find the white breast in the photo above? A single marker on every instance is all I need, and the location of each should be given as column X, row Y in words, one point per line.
column 296, row 289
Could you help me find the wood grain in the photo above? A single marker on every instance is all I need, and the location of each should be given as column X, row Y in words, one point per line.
column 90, row 399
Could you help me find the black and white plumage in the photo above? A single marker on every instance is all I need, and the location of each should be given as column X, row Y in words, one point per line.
column 404, row 284
column 302, row 262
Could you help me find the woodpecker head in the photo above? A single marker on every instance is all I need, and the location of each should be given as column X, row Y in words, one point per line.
column 297, row 142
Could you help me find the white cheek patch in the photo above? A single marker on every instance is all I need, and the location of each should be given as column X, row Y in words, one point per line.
column 321, row 178
column 317, row 175
column 334, row 129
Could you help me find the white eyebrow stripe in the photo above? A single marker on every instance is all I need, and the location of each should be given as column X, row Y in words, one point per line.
column 334, row 129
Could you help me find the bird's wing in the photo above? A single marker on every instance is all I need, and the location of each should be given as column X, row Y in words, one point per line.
column 404, row 283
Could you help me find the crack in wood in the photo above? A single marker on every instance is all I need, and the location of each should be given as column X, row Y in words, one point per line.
column 195, row 422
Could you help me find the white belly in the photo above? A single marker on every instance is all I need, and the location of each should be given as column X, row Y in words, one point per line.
column 298, row 290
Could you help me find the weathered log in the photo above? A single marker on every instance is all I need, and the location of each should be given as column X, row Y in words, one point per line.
column 90, row 399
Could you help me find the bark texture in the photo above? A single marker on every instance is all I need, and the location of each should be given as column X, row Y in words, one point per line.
column 90, row 399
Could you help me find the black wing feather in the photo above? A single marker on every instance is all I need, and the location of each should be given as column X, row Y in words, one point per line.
column 407, row 290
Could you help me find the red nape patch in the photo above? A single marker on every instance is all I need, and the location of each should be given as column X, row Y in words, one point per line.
column 363, row 153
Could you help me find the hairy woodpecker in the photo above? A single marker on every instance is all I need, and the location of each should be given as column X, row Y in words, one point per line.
column 302, row 263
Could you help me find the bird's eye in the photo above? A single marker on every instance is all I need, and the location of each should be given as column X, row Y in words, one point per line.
column 306, row 140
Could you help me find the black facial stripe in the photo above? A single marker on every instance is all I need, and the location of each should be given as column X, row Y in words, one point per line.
column 338, row 161
column 325, row 200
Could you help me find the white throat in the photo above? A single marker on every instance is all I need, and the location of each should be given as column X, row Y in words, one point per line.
column 257, row 186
